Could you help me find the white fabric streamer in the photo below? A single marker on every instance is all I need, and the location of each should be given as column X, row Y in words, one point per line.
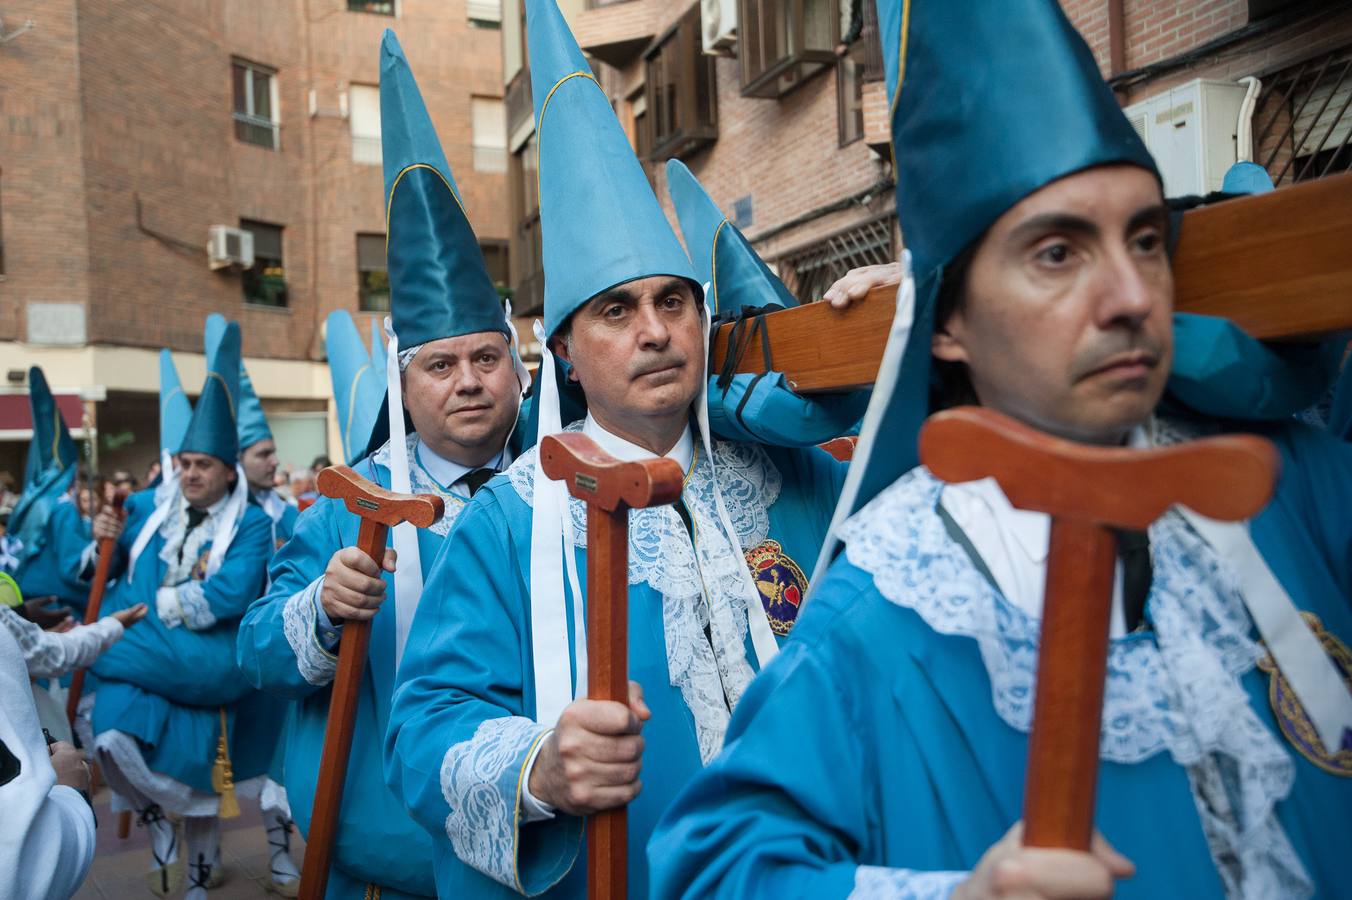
column 408, row 581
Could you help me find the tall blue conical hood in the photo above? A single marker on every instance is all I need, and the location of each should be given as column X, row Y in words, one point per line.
column 990, row 102
column 51, row 450
column 51, row 466
column 253, row 425
column 358, row 384
column 734, row 274
column 175, row 408
column 213, row 427
column 439, row 286
column 601, row 222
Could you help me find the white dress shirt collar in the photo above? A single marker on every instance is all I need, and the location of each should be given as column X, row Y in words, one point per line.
column 447, row 473
column 618, row 447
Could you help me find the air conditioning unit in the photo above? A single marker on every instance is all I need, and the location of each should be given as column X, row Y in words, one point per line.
column 1191, row 131
column 718, row 26
column 227, row 246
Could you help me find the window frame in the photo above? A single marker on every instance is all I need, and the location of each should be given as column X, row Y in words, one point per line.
column 365, row 291
column 256, row 281
column 248, row 118
column 771, row 72
column 393, row 13
column 673, row 66
column 488, row 158
column 370, row 153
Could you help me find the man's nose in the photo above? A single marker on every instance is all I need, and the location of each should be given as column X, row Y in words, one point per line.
column 653, row 332
column 1127, row 291
column 467, row 379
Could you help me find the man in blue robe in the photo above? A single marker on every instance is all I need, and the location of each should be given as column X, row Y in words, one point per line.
column 258, row 462
column 174, row 724
column 883, row 754
column 456, row 370
column 490, row 744
column 48, row 535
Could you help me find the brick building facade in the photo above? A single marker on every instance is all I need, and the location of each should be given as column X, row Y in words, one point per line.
column 128, row 130
column 802, row 163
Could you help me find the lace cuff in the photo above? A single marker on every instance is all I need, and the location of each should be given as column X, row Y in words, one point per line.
column 192, row 599
column 883, row 883
column 482, row 780
column 316, row 664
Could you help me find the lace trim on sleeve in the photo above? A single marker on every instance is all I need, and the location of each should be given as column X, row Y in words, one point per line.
column 481, row 781
column 316, row 665
column 192, row 599
column 882, row 883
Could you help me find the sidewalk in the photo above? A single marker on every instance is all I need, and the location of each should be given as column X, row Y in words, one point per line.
column 119, row 866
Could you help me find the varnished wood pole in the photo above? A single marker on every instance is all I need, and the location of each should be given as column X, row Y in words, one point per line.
column 379, row 509
column 338, row 730
column 107, row 550
column 1063, row 744
column 610, row 489
column 607, row 679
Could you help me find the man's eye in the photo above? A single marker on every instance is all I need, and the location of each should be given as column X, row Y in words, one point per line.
column 1054, row 254
column 672, row 302
column 1149, row 241
column 613, row 312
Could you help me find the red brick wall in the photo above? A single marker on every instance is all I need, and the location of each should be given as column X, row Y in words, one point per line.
column 109, row 101
column 42, row 202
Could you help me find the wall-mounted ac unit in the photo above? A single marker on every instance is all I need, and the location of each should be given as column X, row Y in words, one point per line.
column 718, row 26
column 1190, row 130
column 227, row 246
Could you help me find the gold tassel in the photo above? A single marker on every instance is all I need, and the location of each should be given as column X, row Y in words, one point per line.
column 222, row 777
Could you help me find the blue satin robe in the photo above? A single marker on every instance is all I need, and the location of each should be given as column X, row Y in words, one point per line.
column 377, row 842
column 872, row 741
column 55, row 565
column 166, row 686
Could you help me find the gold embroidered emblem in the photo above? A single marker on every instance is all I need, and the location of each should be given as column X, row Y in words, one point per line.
column 199, row 568
column 780, row 582
column 1291, row 716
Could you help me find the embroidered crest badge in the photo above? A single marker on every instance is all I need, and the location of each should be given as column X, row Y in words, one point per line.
column 199, row 568
column 780, row 582
column 1291, row 717
column 278, row 543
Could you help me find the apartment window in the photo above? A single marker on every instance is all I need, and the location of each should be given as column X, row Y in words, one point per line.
column 265, row 281
column 255, row 89
column 488, row 120
column 850, row 97
column 373, row 278
column 808, row 272
column 681, row 112
column 496, row 261
column 1302, row 127
column 527, row 252
column 363, row 115
column 484, row 13
column 379, row 7
column 783, row 42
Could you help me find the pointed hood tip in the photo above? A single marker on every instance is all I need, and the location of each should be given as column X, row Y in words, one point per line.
column 213, row 428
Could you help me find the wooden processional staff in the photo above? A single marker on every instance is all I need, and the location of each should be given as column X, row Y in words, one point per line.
column 380, row 510
column 610, row 489
column 1088, row 491
column 107, row 549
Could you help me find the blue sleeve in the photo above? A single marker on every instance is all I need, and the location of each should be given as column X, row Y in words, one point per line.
column 461, row 727
column 765, row 410
column 139, row 507
column 72, row 538
column 266, row 649
column 748, row 826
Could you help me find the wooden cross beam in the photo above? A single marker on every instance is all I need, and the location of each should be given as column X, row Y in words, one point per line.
column 1279, row 265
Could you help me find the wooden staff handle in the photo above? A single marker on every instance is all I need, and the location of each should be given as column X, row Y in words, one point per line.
column 1088, row 491
column 107, row 551
column 610, row 489
column 379, row 509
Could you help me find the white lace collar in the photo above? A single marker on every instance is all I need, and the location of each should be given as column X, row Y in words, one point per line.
column 683, row 452
column 421, row 481
column 1175, row 689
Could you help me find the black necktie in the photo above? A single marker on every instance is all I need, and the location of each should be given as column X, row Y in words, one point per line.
column 476, row 479
column 1133, row 548
column 195, row 517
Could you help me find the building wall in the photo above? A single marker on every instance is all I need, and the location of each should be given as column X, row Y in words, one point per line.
column 42, row 189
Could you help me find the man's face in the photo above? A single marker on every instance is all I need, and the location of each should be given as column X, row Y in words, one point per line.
column 637, row 349
column 463, row 395
column 259, row 462
column 204, row 479
column 1066, row 321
